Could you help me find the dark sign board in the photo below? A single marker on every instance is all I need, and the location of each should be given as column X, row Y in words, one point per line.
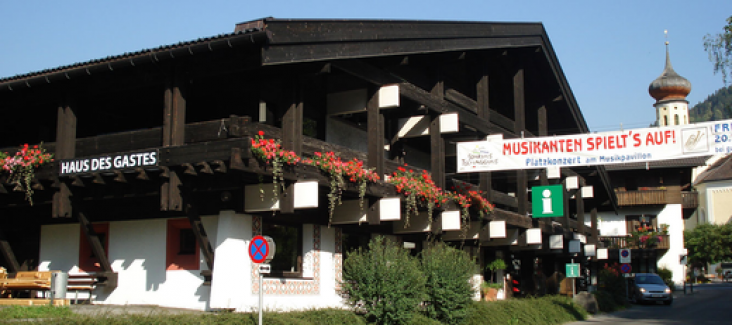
column 108, row 162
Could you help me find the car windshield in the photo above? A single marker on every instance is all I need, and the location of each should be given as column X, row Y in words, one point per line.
column 648, row 279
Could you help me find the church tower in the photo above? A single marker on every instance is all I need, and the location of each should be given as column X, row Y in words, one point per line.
column 670, row 91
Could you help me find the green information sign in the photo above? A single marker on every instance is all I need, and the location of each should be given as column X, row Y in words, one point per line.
column 573, row 270
column 547, row 201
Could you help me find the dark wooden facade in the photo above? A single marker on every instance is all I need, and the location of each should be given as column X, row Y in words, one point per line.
column 198, row 104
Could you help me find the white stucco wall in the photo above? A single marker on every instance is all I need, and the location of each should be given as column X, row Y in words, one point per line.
column 137, row 254
column 137, row 251
column 611, row 224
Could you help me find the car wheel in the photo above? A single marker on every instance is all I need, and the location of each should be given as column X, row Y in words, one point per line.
column 668, row 302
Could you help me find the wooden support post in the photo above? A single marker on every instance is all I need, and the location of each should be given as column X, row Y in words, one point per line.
column 200, row 232
column 65, row 149
column 565, row 219
column 483, row 108
column 580, row 202
column 519, row 109
column 437, row 143
column 8, row 254
column 375, row 125
column 543, row 130
column 96, row 244
column 174, row 122
column 292, row 141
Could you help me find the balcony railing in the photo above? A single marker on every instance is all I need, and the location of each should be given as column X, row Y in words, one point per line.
column 627, row 242
column 689, row 200
column 642, row 197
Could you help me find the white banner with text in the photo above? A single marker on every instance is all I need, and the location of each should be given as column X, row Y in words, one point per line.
column 616, row 147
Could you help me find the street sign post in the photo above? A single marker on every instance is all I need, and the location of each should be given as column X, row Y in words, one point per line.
column 262, row 250
column 573, row 270
column 624, row 255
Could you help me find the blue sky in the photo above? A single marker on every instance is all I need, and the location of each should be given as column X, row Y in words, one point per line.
column 610, row 51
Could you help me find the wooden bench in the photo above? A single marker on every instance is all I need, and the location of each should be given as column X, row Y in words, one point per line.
column 27, row 280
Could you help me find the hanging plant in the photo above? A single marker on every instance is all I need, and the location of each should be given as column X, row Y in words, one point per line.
column 22, row 165
column 339, row 172
column 419, row 190
column 270, row 151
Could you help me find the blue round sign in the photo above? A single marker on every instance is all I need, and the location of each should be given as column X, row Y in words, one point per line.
column 625, row 268
column 624, row 253
column 258, row 249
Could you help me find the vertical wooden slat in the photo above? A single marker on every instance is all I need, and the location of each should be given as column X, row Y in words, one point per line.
column 96, row 244
column 292, row 140
column 65, row 149
column 201, row 236
column 437, row 144
column 174, row 122
column 375, row 125
column 483, row 106
column 519, row 126
column 580, row 202
column 8, row 254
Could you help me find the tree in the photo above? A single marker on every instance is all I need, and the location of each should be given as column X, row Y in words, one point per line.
column 708, row 244
column 719, row 48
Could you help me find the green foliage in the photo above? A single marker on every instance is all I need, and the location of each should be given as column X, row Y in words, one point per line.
column 719, row 48
column 448, row 272
column 495, row 265
column 539, row 311
column 309, row 317
column 384, row 281
column 14, row 312
column 667, row 277
column 611, row 281
column 717, row 106
column 709, row 244
column 606, row 302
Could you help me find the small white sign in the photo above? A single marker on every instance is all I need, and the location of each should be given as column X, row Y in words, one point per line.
column 265, row 268
column 624, row 254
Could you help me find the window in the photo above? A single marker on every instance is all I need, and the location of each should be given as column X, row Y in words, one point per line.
column 87, row 261
column 634, row 222
column 665, row 120
column 676, row 119
column 182, row 250
column 288, row 258
column 354, row 241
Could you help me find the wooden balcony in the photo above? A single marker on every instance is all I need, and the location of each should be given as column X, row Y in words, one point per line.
column 689, row 200
column 626, row 242
column 646, row 197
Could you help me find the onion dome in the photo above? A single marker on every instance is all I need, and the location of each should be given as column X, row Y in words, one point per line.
column 669, row 85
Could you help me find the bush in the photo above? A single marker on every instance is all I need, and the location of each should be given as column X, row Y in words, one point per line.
column 606, row 302
column 384, row 281
column 448, row 272
column 612, row 282
column 546, row 310
column 667, row 277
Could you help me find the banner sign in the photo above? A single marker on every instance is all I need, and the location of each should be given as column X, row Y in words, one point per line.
column 105, row 163
column 616, row 147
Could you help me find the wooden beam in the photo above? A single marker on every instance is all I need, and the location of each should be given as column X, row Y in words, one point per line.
column 437, row 143
column 174, row 123
column 375, row 125
column 65, row 149
column 200, row 232
column 93, row 239
column 580, row 202
column 292, row 120
column 380, row 77
column 7, row 253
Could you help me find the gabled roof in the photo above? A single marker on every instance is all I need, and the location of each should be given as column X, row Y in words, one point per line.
column 720, row 170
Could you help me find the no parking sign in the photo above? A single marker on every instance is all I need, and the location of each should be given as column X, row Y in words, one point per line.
column 624, row 255
column 262, row 249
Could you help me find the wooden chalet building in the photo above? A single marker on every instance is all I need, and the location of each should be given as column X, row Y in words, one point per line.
column 155, row 190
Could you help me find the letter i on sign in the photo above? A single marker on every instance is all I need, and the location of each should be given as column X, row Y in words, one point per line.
column 546, row 201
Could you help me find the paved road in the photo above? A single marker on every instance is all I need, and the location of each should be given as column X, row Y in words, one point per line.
column 710, row 304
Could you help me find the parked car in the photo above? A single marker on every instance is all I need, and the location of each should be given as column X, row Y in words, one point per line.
column 727, row 276
column 647, row 287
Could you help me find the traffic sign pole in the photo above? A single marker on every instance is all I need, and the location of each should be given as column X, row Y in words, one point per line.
column 261, row 250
